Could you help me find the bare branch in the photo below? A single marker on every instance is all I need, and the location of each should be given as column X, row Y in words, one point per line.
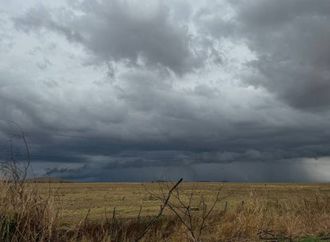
column 162, row 207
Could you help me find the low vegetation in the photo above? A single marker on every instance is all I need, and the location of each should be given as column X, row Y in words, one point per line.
column 193, row 212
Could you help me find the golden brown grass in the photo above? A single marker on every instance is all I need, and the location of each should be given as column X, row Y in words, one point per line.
column 75, row 199
column 85, row 212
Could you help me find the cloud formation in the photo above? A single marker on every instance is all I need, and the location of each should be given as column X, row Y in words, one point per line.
column 291, row 41
column 121, row 31
column 124, row 90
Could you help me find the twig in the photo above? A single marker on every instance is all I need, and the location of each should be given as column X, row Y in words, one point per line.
column 161, row 210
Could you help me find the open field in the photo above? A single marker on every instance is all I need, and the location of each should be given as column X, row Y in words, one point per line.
column 75, row 199
column 242, row 212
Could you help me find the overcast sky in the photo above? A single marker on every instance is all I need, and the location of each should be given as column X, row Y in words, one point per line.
column 130, row 90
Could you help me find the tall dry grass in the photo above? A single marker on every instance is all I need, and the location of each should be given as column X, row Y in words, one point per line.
column 25, row 215
column 275, row 220
column 28, row 216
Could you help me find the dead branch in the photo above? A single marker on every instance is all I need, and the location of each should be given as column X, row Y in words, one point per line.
column 161, row 210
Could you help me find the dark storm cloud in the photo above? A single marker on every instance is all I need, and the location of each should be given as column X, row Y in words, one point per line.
column 160, row 128
column 292, row 42
column 251, row 89
column 292, row 171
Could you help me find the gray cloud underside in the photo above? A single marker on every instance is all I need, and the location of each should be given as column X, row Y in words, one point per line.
column 109, row 92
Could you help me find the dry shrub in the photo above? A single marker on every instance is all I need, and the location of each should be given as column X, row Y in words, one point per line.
column 192, row 211
column 25, row 215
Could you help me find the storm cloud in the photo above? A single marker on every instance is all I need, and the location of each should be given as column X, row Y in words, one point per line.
column 126, row 91
column 291, row 42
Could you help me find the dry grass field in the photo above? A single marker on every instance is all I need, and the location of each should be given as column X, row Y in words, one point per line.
column 194, row 212
column 76, row 199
